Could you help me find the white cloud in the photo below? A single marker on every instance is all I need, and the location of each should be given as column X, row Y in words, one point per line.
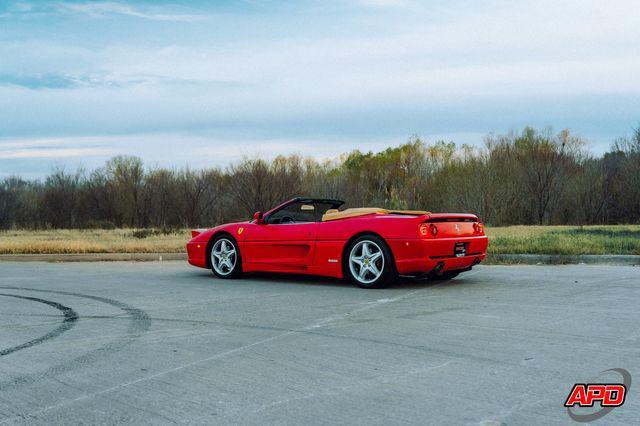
column 396, row 67
column 53, row 153
column 175, row 149
column 511, row 50
column 101, row 9
column 501, row 49
column 383, row 3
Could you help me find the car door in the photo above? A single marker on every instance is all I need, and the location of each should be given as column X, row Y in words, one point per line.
column 284, row 243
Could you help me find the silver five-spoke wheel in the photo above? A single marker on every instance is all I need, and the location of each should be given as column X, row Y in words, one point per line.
column 366, row 261
column 223, row 256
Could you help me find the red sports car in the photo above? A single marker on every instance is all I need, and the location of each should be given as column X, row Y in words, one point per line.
column 370, row 246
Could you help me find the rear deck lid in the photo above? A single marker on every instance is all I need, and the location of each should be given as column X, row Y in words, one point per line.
column 451, row 225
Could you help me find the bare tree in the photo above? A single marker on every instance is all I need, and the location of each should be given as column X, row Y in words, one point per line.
column 546, row 163
column 60, row 200
column 126, row 181
column 257, row 185
column 161, row 198
column 199, row 192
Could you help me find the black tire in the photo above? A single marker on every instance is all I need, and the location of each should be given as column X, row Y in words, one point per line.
column 444, row 276
column 235, row 261
column 388, row 273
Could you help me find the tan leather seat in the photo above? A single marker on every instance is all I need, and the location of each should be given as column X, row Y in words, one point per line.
column 333, row 214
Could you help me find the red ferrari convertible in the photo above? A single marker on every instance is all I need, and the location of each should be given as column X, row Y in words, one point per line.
column 370, row 246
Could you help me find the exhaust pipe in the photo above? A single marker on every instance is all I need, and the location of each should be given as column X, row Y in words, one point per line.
column 438, row 268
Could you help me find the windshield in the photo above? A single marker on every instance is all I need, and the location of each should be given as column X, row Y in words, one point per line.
column 300, row 211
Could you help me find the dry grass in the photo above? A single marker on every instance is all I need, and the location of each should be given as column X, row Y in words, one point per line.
column 570, row 240
column 92, row 241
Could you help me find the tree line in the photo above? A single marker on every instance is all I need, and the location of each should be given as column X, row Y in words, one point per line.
column 527, row 177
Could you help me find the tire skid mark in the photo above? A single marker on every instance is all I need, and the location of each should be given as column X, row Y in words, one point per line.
column 321, row 323
column 139, row 323
column 70, row 318
column 178, row 320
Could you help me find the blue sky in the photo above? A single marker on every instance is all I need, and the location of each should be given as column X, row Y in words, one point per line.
column 205, row 83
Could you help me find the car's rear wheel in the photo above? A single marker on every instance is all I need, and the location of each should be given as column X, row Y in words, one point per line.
column 225, row 257
column 444, row 276
column 369, row 262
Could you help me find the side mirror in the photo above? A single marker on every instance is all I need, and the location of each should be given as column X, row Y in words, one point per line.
column 257, row 216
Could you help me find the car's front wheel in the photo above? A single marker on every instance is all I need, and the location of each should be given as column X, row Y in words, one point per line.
column 225, row 257
column 369, row 263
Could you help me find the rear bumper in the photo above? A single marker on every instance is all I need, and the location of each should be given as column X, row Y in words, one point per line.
column 419, row 256
column 197, row 254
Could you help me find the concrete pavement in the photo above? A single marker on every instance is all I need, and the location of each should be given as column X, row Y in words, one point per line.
column 162, row 342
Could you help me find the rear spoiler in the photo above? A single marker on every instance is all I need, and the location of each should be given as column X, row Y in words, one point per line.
column 452, row 217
